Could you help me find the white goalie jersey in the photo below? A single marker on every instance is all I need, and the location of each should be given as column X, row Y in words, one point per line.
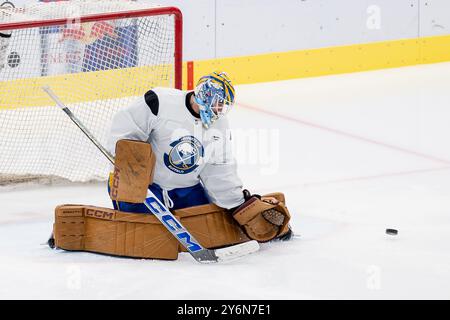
column 185, row 152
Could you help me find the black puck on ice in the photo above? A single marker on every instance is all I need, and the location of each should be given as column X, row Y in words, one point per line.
column 392, row 232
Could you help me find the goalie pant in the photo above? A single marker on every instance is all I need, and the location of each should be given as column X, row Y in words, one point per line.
column 179, row 198
column 5, row 36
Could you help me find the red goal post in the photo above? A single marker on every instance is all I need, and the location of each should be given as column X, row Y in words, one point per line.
column 96, row 62
column 178, row 54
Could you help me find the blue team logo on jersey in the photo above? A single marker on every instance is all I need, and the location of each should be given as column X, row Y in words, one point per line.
column 184, row 155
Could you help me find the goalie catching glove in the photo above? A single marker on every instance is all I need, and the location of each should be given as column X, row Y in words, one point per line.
column 263, row 218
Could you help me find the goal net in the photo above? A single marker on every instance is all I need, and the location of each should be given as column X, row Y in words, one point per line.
column 97, row 56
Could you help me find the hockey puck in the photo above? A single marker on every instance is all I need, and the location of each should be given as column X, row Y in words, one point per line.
column 392, row 232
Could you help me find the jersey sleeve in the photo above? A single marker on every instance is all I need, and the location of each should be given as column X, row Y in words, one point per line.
column 220, row 178
column 134, row 122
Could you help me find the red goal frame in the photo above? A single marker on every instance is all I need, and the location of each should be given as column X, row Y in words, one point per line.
column 178, row 17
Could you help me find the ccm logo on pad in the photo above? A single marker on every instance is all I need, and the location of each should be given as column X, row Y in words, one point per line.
column 115, row 184
column 100, row 214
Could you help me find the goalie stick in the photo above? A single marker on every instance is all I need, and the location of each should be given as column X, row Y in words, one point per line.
column 168, row 220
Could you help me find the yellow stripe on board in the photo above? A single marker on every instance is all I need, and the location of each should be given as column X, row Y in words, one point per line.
column 85, row 86
column 121, row 83
column 327, row 61
column 435, row 49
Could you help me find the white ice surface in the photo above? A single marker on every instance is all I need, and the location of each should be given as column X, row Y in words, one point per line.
column 354, row 154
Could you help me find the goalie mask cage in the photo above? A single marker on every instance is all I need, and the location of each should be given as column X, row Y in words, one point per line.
column 97, row 56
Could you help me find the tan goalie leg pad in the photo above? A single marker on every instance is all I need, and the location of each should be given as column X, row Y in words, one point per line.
column 101, row 230
column 133, row 172
column 211, row 225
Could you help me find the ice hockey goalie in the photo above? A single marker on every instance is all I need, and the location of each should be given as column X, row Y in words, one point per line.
column 177, row 144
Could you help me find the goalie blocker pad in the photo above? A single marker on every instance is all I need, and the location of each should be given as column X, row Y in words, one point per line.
column 101, row 230
column 133, row 171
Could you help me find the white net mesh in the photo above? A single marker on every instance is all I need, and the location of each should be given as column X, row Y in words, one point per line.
column 95, row 68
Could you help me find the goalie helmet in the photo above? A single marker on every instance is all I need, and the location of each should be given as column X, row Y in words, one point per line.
column 214, row 94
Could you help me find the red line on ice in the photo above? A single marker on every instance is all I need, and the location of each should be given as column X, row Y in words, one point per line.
column 377, row 176
column 346, row 134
